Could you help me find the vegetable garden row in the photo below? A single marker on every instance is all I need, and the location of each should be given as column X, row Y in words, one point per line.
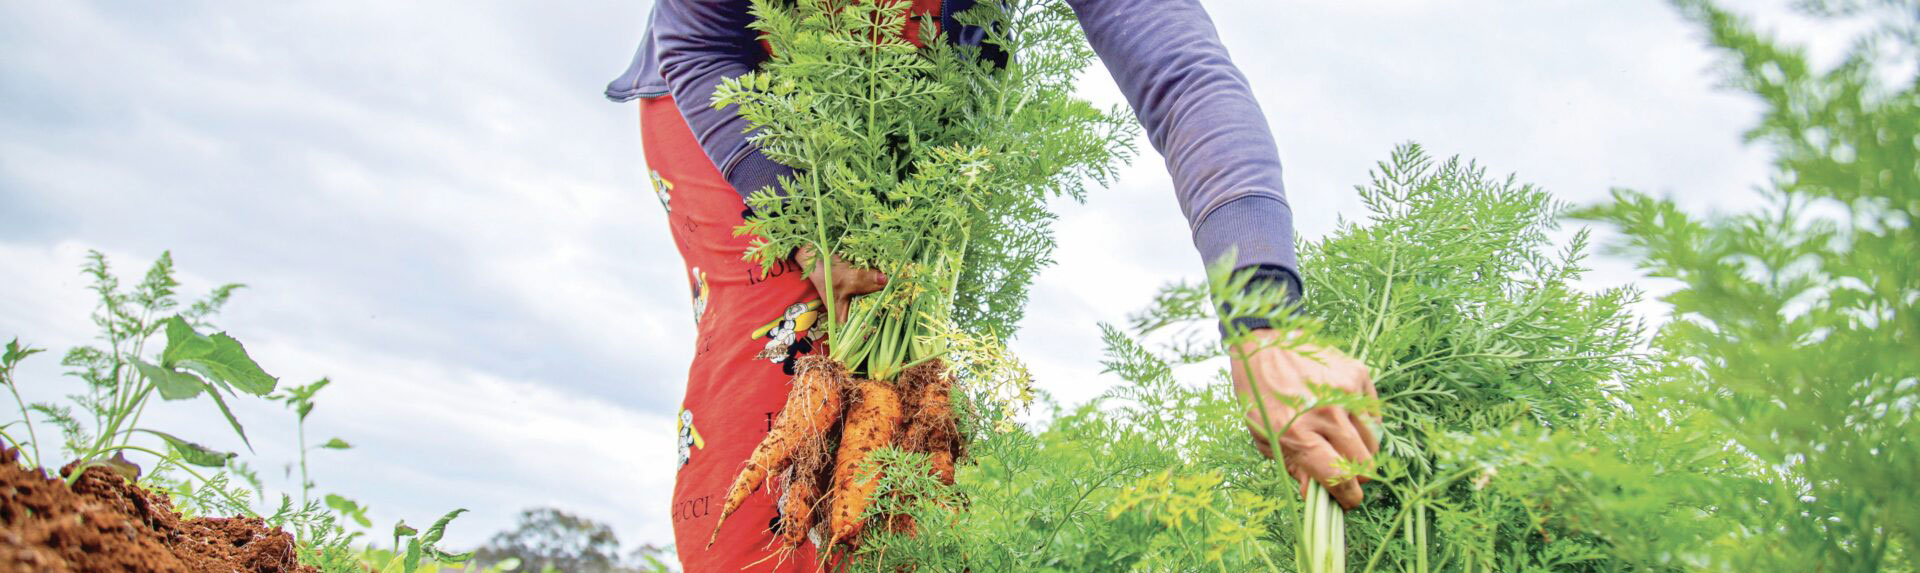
column 1526, row 423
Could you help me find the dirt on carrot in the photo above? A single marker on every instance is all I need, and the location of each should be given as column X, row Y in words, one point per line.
column 806, row 483
column 873, row 420
column 814, row 405
column 943, row 468
column 930, row 426
column 825, row 435
column 104, row 523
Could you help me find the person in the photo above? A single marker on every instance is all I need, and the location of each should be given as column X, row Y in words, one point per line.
column 1198, row 111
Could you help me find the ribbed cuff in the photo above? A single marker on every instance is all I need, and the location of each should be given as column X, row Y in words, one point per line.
column 1265, row 277
column 753, row 172
column 1256, row 229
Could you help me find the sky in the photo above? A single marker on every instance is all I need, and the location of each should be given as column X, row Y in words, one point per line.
column 432, row 205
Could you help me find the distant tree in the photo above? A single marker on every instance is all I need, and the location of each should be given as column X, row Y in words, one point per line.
column 650, row 558
column 546, row 539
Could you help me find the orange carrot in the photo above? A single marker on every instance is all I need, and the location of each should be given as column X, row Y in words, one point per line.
column 813, row 405
column 873, row 418
column 802, row 495
column 932, row 427
column 942, row 462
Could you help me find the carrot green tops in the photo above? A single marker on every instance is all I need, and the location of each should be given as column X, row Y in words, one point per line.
column 1198, row 110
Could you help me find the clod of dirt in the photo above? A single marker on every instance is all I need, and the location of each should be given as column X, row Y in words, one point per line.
column 104, row 523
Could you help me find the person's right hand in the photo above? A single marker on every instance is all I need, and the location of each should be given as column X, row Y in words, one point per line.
column 1322, row 435
column 848, row 281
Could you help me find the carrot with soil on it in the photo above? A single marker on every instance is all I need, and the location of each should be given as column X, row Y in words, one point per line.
column 813, row 406
column 931, row 427
column 942, row 462
column 873, row 418
column 798, row 505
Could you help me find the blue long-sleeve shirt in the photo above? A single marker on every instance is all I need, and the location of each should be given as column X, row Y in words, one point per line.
column 1198, row 110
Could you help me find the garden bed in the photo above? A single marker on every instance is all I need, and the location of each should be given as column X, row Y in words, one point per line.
column 104, row 523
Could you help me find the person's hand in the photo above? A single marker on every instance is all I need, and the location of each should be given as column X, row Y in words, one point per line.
column 1322, row 435
column 848, row 281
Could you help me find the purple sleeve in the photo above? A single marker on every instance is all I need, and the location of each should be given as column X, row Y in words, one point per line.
column 699, row 43
column 1200, row 113
column 1198, row 110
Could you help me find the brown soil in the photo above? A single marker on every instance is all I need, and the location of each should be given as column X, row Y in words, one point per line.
column 103, row 523
column 930, row 426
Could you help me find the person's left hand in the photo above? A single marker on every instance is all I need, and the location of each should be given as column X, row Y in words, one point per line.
column 1321, row 436
column 848, row 281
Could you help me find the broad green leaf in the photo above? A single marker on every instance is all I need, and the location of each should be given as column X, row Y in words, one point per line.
column 227, row 362
column 173, row 384
column 123, row 466
column 339, row 502
column 231, row 421
column 412, row 561
column 193, row 453
column 350, row 508
column 445, row 557
column 337, row 444
column 432, row 537
column 439, row 527
column 401, row 529
column 183, row 343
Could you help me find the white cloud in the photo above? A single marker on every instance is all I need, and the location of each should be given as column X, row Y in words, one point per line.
column 431, row 436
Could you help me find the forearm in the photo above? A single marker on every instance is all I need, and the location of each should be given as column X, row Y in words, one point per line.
column 1200, row 113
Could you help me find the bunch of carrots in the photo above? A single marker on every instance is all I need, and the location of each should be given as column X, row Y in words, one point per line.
column 824, row 436
column 932, row 163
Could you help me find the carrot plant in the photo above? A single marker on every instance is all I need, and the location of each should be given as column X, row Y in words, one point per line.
column 934, row 165
column 1767, row 427
column 1795, row 335
column 1452, row 291
column 926, row 162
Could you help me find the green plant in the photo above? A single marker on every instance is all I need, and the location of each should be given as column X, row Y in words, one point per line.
column 1768, row 427
column 422, row 548
column 300, row 400
column 925, row 162
column 122, row 379
column 1323, row 533
column 1448, row 290
column 9, row 362
column 1795, row 337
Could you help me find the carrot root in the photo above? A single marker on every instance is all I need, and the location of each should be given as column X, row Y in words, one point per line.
column 873, row 418
column 799, row 503
column 813, row 406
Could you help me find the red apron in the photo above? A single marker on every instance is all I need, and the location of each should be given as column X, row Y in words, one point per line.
column 752, row 327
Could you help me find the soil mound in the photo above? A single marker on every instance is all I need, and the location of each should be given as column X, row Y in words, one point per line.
column 104, row 523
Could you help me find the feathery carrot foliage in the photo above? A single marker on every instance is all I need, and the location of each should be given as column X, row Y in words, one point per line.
column 926, row 161
column 1795, row 334
column 1767, row 427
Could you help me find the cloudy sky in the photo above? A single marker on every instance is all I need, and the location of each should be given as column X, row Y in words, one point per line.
column 431, row 204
